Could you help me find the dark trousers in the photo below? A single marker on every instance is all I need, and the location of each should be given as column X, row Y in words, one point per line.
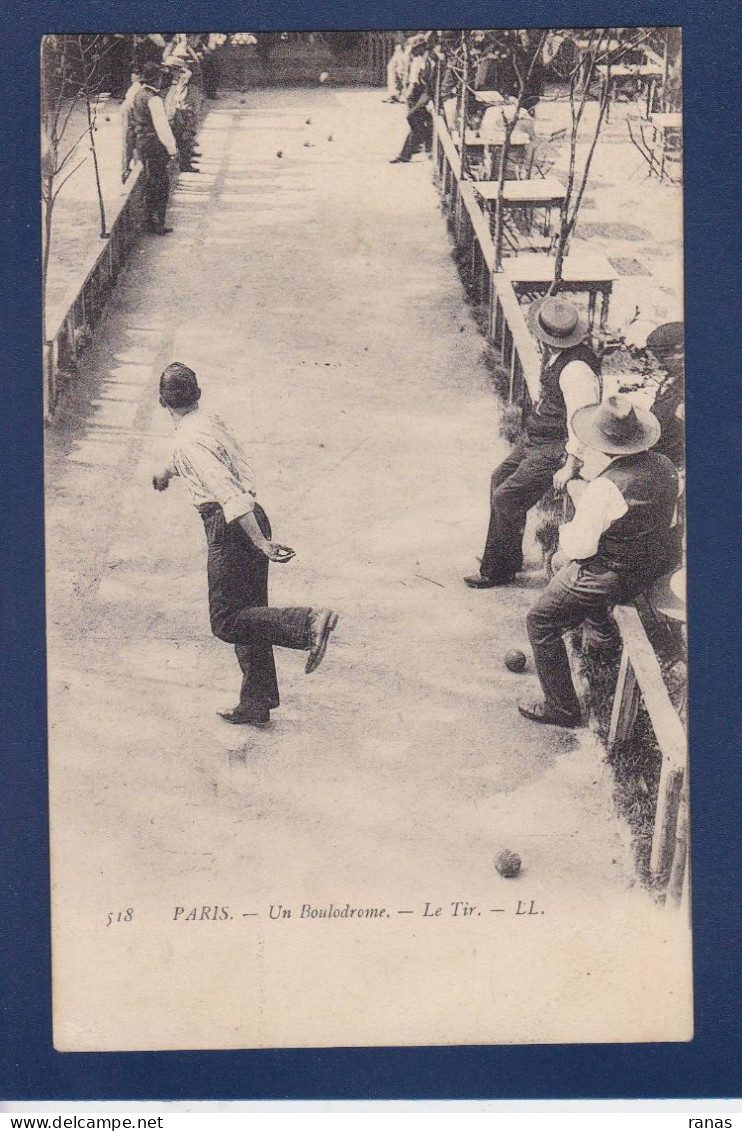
column 420, row 135
column 185, row 128
column 517, row 485
column 155, row 162
column 579, row 593
column 238, row 606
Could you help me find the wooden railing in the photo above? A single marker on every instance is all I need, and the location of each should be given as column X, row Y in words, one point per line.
column 380, row 51
column 639, row 673
column 506, row 326
column 69, row 323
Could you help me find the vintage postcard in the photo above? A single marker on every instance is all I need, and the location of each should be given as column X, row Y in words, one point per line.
column 363, row 374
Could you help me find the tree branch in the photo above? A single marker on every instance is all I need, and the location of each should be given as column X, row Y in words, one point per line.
column 64, row 181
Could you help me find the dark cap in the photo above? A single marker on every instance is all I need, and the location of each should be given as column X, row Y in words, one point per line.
column 668, row 338
column 178, row 386
column 151, row 73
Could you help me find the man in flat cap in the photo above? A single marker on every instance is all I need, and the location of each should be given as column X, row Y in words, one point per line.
column 221, row 484
column 617, row 543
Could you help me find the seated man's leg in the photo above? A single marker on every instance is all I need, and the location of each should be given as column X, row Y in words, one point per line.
column 486, row 578
column 517, row 485
column 573, row 595
column 600, row 635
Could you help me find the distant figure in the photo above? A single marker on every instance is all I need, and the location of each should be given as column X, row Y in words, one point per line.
column 127, row 125
column 210, row 66
column 155, row 146
column 182, row 107
column 419, row 96
column 220, row 481
column 395, row 74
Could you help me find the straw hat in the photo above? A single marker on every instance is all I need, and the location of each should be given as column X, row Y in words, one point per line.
column 616, row 427
column 557, row 322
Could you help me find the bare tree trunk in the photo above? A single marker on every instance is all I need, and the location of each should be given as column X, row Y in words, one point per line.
column 464, row 106
column 510, row 127
column 93, row 150
column 48, row 214
column 571, row 206
column 499, row 210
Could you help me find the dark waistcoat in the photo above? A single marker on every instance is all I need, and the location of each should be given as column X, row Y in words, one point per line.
column 637, row 541
column 141, row 118
column 548, row 420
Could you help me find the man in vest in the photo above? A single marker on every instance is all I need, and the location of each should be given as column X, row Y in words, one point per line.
column 616, row 544
column 548, row 453
column 155, row 146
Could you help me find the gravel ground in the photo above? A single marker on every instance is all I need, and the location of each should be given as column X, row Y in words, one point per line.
column 315, row 294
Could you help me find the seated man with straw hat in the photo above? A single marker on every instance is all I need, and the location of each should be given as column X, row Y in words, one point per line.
column 616, row 544
column 548, row 453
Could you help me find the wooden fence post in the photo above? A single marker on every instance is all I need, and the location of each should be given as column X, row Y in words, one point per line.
column 625, row 702
column 679, row 870
column 666, row 820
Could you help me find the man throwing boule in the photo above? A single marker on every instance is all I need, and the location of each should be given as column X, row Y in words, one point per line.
column 220, row 481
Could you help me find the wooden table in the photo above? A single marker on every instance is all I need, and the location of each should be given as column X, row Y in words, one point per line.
column 642, row 72
column 491, row 145
column 668, row 129
column 589, row 47
column 489, row 97
column 545, row 193
column 585, row 271
column 473, row 139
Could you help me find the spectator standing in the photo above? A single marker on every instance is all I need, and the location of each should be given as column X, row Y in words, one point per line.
column 419, row 97
column 210, row 66
column 155, row 146
column 182, row 107
column 395, row 74
column 127, row 124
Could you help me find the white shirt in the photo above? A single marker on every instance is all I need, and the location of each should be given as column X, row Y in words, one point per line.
column 128, row 102
column 213, row 465
column 598, row 504
column 580, row 387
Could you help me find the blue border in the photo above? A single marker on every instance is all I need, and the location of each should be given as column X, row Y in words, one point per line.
column 708, row 1066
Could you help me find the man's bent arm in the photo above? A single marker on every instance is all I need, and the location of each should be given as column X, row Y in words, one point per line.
column 249, row 524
